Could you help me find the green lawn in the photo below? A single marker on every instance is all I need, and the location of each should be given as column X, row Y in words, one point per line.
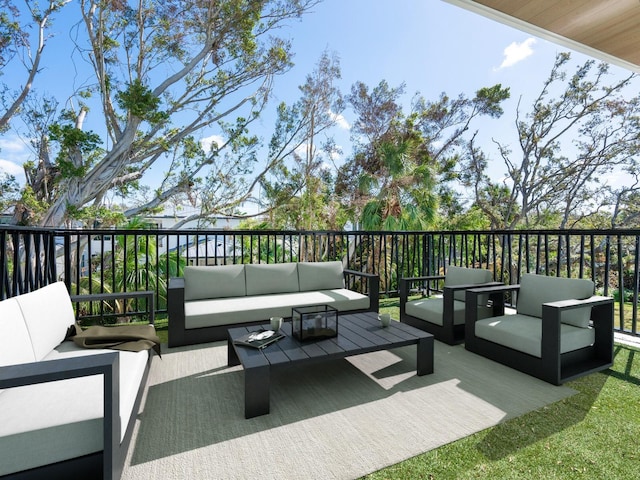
column 593, row 434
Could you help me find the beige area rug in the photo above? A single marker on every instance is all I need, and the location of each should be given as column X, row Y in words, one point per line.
column 338, row 420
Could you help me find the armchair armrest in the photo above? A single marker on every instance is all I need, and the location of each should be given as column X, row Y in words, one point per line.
column 148, row 294
column 373, row 287
column 476, row 286
column 405, row 287
column 175, row 310
column 106, row 364
column 601, row 316
column 496, row 297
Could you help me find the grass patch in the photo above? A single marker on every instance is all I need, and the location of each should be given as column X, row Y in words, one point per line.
column 593, row 434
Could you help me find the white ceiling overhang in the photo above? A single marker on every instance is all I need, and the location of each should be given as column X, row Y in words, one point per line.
column 608, row 30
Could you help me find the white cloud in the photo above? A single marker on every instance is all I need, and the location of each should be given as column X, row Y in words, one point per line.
column 207, row 141
column 340, row 120
column 516, row 52
column 10, row 168
column 12, row 146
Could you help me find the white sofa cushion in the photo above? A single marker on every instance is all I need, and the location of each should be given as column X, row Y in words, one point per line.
column 320, row 275
column 431, row 310
column 214, row 282
column 15, row 346
column 225, row 311
column 538, row 289
column 56, row 421
column 466, row 276
column 263, row 279
column 524, row 333
column 48, row 314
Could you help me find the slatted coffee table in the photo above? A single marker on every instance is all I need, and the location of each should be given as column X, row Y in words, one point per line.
column 357, row 333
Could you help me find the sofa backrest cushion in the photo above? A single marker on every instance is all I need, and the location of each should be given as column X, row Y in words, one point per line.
column 538, row 289
column 320, row 276
column 48, row 314
column 466, row 276
column 214, row 282
column 15, row 344
column 263, row 279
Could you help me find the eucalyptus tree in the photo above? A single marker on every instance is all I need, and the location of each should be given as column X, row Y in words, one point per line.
column 568, row 144
column 22, row 43
column 163, row 75
column 297, row 191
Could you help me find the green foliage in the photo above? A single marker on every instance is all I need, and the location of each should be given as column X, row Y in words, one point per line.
column 73, row 158
column 139, row 100
column 9, row 190
column 29, row 208
column 96, row 215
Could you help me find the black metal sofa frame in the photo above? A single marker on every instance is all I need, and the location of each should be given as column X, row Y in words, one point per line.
column 111, row 460
column 180, row 335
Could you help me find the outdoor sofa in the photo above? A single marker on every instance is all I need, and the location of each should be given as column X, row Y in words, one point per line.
column 560, row 330
column 210, row 299
column 65, row 411
column 444, row 317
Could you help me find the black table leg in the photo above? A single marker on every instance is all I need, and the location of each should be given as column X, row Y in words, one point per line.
column 425, row 356
column 232, row 356
column 256, row 391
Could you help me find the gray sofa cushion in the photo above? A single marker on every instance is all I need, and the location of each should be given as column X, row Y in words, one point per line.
column 63, row 419
column 524, row 333
column 214, row 282
column 538, row 289
column 263, row 279
column 320, row 275
column 225, row 311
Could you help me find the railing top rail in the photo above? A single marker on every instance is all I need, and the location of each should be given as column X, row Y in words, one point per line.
column 169, row 231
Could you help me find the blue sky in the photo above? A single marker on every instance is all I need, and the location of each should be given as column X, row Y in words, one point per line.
column 430, row 45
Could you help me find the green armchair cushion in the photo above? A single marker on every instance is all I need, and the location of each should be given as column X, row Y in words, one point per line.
column 538, row 289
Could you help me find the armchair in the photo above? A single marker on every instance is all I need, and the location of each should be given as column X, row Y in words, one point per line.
column 444, row 316
column 560, row 331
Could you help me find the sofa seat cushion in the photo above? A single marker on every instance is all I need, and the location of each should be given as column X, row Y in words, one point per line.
column 231, row 311
column 59, row 420
column 524, row 333
column 431, row 310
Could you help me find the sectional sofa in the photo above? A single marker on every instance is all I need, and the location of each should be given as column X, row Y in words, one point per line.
column 206, row 301
column 65, row 411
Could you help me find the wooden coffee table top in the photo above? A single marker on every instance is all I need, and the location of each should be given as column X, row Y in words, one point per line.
column 357, row 333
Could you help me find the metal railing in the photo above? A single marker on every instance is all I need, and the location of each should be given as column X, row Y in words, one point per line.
column 93, row 261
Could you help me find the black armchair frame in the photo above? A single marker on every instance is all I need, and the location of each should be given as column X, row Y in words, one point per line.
column 179, row 335
column 552, row 366
column 448, row 332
